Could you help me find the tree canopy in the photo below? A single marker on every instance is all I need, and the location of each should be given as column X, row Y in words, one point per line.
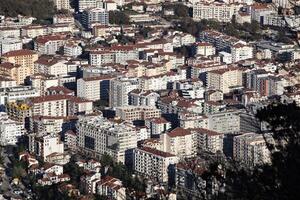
column 40, row 9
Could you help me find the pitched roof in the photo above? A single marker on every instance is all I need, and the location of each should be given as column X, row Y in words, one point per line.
column 178, row 132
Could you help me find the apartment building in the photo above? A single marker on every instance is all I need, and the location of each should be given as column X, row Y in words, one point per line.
column 119, row 90
column 86, row 4
column 97, row 135
column 51, row 66
column 153, row 163
column 62, row 4
column 7, row 82
column 72, row 49
column 94, row 88
column 33, row 31
column 204, row 49
column 132, row 113
column 215, row 10
column 222, row 42
column 13, row 94
column 94, row 16
column 63, row 19
column 180, row 142
column 143, row 98
column 49, row 44
column 10, row 131
column 114, row 54
column 10, row 44
column 224, row 122
column 157, row 126
column 60, row 105
column 241, row 52
column 111, row 187
column 208, row 140
column 250, row 149
column 24, row 59
column 224, row 79
column 45, row 145
column 6, row 32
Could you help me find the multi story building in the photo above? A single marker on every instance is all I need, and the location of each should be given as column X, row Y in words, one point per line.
column 60, row 105
column 224, row 79
column 207, row 140
column 143, row 98
column 94, row 88
column 86, row 4
column 94, row 15
column 33, row 31
column 204, row 49
column 10, row 130
column 157, row 126
column 132, row 113
column 13, row 94
column 250, row 149
column 62, row 4
column 25, row 59
column 63, row 19
column 119, row 90
column 214, row 10
column 180, row 142
column 112, row 188
column 224, row 122
column 97, row 135
column 45, row 145
column 10, row 44
column 49, row 44
column 51, row 66
column 154, row 164
column 241, row 52
column 72, row 49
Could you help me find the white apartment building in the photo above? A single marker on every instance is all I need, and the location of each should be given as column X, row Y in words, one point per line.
column 7, row 32
column 98, row 58
column 224, row 122
column 214, row 10
column 7, row 82
column 63, row 19
column 112, row 188
column 143, row 98
column 241, row 52
column 33, row 31
column 97, row 135
column 62, row 4
column 208, row 140
column 94, row 15
column 160, row 82
column 204, row 49
column 45, row 145
column 72, row 49
column 12, row 94
column 51, row 66
column 132, row 113
column 10, row 131
column 180, row 142
column 224, row 79
column 10, row 44
column 119, row 90
column 157, row 126
column 86, row 4
column 153, row 163
column 49, row 44
column 250, row 149
column 94, row 88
